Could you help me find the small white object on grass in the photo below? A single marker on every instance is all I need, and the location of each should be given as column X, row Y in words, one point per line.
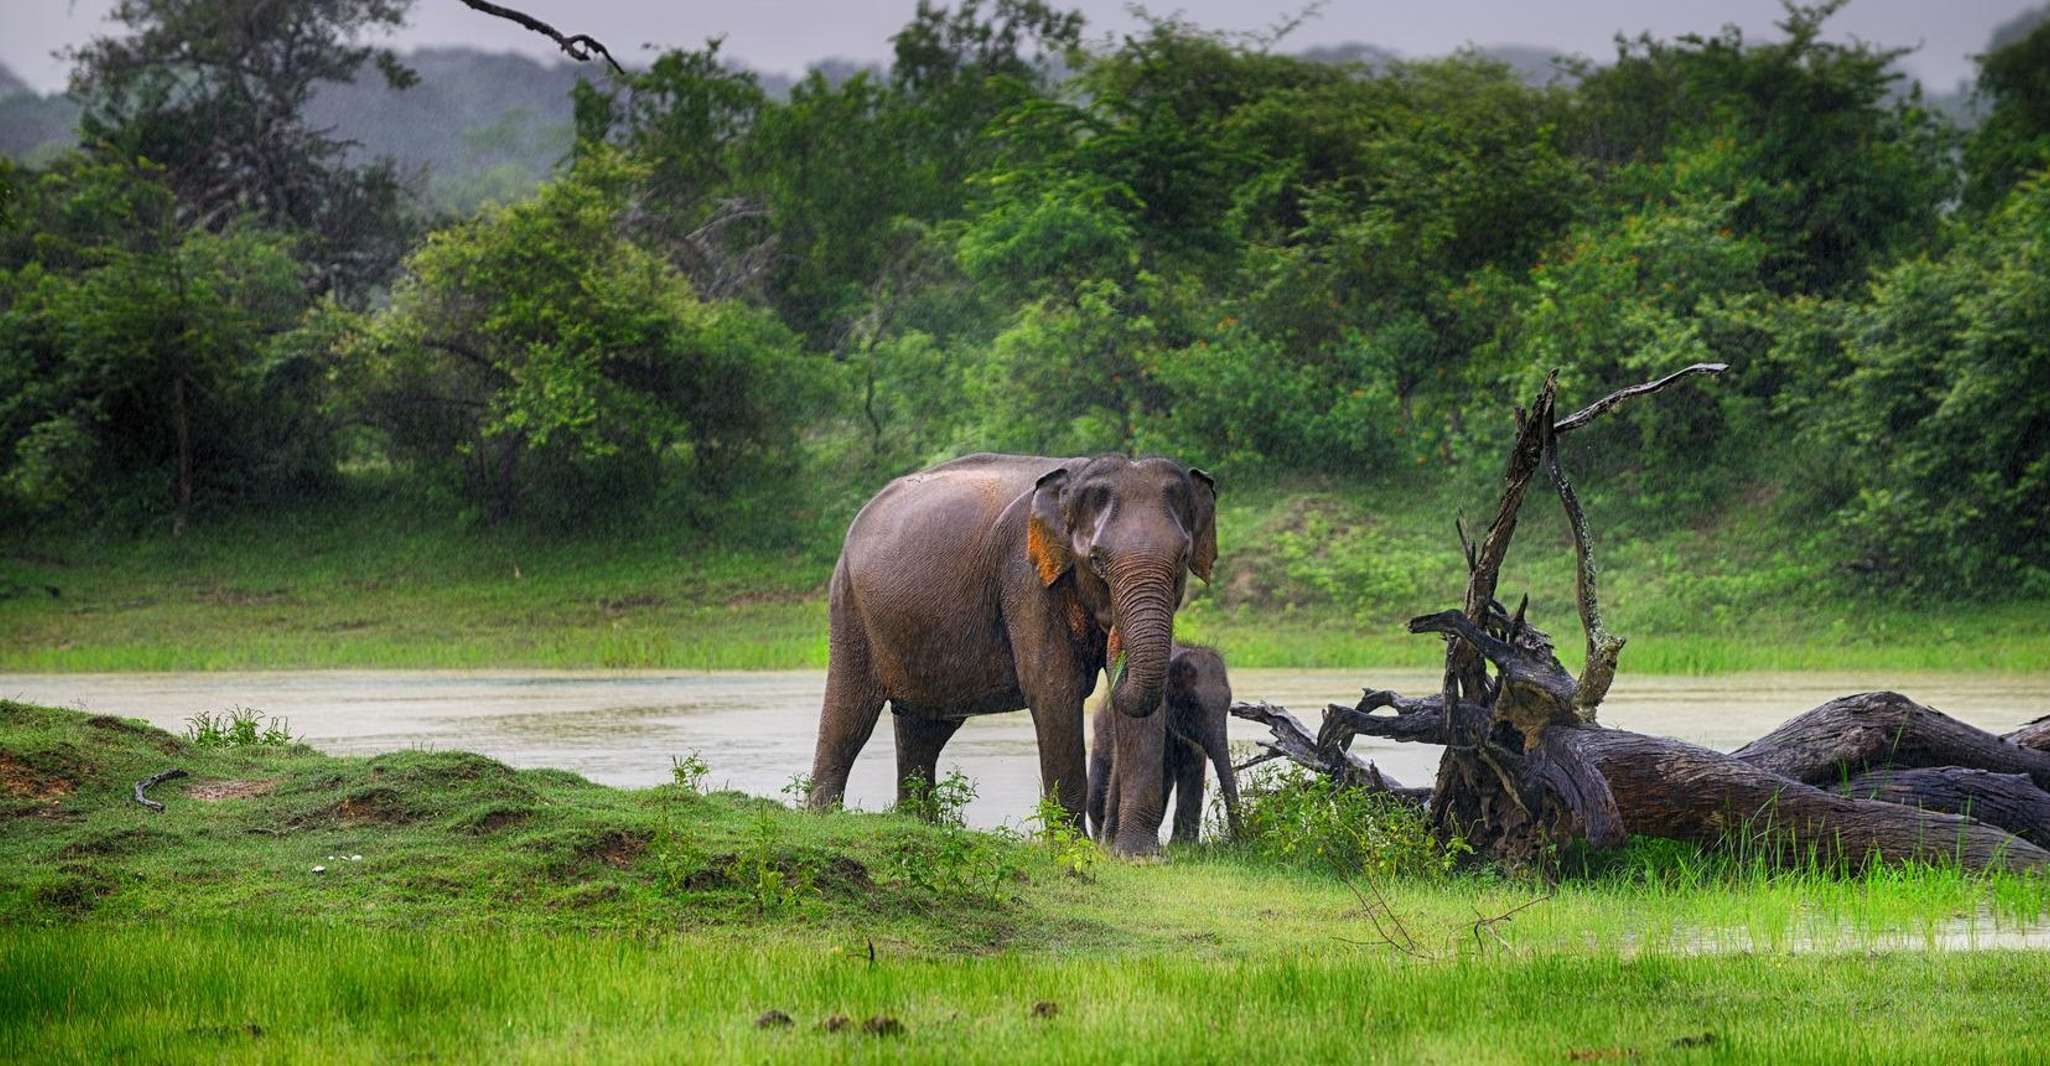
column 355, row 858
column 320, row 869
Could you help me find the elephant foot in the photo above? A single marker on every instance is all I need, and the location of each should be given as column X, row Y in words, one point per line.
column 1139, row 851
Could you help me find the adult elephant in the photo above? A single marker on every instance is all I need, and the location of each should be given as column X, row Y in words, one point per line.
column 995, row 582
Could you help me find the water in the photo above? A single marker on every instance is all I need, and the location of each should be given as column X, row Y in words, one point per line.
column 756, row 729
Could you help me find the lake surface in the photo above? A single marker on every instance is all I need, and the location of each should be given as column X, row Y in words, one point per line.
column 756, row 729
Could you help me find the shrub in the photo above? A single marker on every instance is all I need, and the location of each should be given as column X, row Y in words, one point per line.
column 1295, row 818
column 238, row 727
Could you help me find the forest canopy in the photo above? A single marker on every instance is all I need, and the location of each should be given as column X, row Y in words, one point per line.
column 1019, row 237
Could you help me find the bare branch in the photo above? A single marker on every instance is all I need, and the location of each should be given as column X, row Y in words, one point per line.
column 577, row 46
column 1602, row 646
column 1596, row 409
column 1294, row 742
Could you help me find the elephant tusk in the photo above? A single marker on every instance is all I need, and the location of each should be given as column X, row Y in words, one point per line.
column 1114, row 654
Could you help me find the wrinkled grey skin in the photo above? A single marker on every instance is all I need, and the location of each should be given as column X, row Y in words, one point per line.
column 1135, row 763
column 993, row 582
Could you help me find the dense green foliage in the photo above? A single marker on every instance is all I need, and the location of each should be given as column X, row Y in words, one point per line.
column 728, row 297
column 139, row 355
column 561, row 364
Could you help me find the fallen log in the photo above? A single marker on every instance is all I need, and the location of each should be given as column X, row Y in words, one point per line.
column 1526, row 767
column 1669, row 788
column 2007, row 801
column 2035, row 735
column 1851, row 735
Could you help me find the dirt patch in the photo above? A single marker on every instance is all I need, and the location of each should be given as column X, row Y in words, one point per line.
column 753, row 597
column 108, row 843
column 613, row 607
column 236, row 596
column 216, row 791
column 381, row 806
column 497, row 818
column 21, row 781
column 617, row 848
column 76, row 889
column 846, row 875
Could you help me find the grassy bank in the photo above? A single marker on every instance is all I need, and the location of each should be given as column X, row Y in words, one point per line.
column 1312, row 575
column 462, row 909
column 347, row 994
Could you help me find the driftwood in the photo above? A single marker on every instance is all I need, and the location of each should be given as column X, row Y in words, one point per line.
column 152, row 781
column 1527, row 766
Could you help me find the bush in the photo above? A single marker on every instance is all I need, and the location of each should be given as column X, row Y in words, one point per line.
column 1296, row 818
column 1943, row 419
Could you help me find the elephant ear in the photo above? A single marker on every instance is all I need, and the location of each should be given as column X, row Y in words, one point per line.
column 1046, row 531
column 1203, row 545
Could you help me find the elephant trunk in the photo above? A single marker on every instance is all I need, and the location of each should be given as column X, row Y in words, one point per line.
column 1143, row 596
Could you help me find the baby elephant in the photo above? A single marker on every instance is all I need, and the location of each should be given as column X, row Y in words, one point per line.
column 1135, row 762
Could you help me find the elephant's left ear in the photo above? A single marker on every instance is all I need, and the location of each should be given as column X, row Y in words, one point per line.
column 1046, row 531
column 1203, row 546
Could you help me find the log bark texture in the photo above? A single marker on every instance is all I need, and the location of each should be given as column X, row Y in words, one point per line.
column 2007, row 801
column 1850, row 735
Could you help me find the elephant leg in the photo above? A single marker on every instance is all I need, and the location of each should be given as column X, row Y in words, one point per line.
column 848, row 716
column 1063, row 771
column 919, row 740
column 1141, row 795
column 1187, row 769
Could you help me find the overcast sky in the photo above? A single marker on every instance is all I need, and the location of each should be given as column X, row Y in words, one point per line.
column 786, row 35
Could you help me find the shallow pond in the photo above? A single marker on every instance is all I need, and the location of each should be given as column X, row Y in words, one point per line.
column 756, row 729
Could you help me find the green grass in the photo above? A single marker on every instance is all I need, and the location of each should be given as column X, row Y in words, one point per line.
column 532, row 915
column 1312, row 575
column 330, row 993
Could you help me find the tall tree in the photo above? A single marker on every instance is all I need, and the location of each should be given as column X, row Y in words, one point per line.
column 2014, row 139
column 214, row 92
column 1846, row 173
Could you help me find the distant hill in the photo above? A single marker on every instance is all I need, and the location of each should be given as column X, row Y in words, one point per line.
column 489, row 126
column 477, row 126
column 1531, row 63
column 2018, row 27
column 33, row 126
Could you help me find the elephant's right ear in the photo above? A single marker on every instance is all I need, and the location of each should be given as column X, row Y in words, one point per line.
column 1046, row 532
